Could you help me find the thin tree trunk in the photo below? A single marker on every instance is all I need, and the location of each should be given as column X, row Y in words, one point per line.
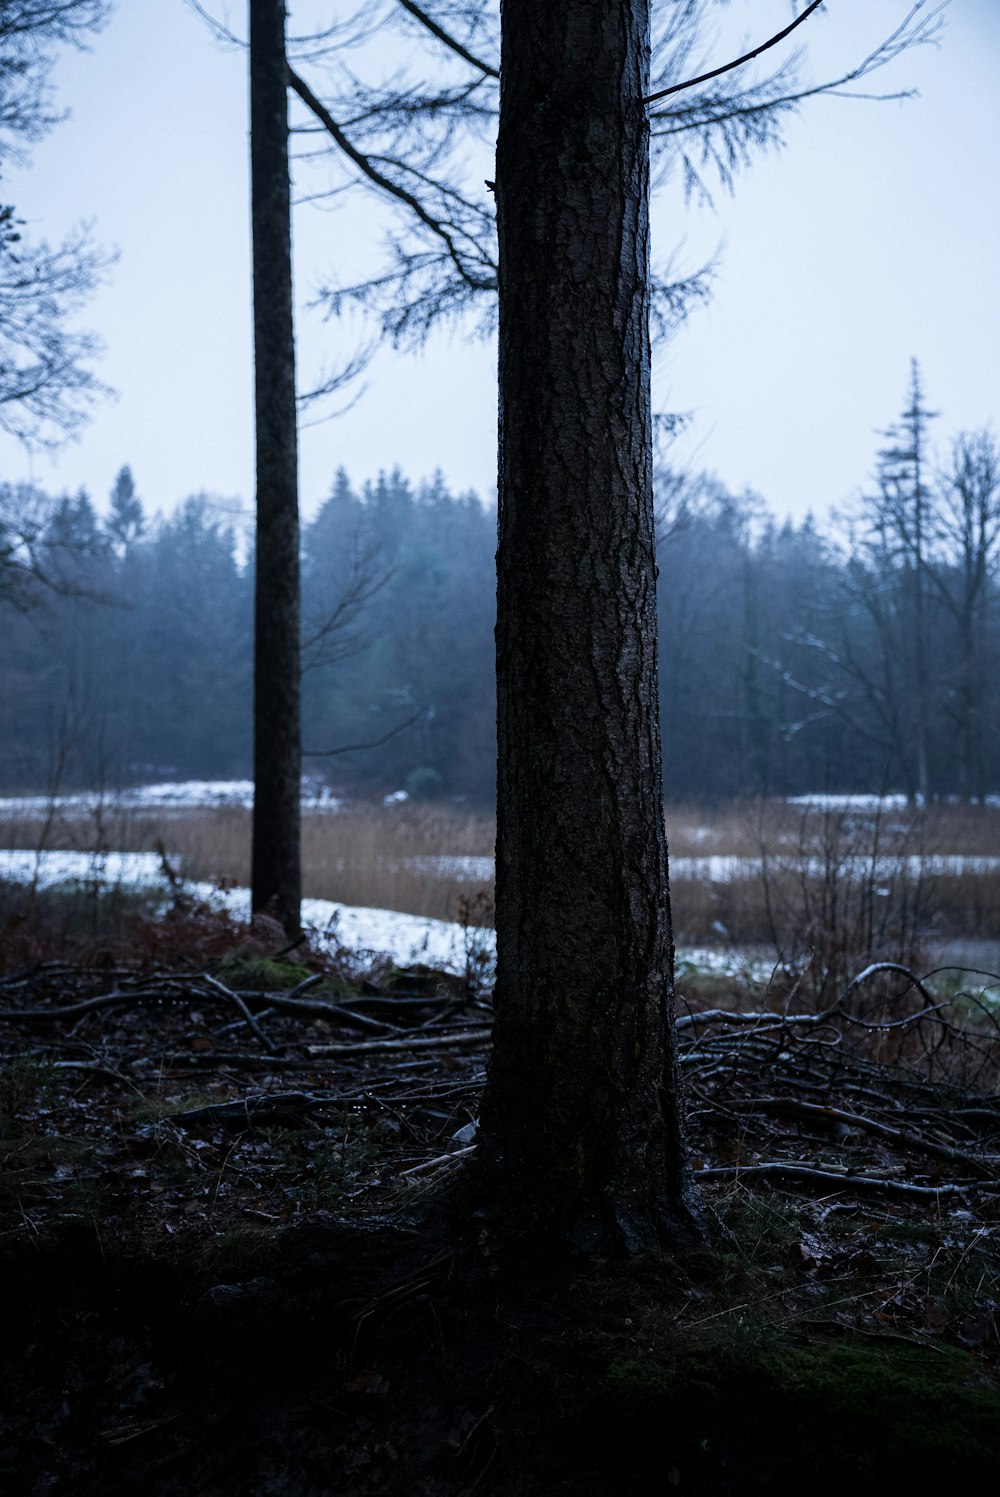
column 581, row 1141
column 276, row 872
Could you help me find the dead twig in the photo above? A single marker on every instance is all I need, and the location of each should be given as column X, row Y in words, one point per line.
column 240, row 1004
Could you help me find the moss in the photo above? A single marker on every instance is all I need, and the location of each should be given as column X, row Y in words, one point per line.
column 857, row 1409
column 639, row 1382
column 918, row 1402
column 262, row 974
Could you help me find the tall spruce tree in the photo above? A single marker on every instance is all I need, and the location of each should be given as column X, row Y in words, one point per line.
column 902, row 525
column 969, row 518
column 276, row 876
column 581, row 1143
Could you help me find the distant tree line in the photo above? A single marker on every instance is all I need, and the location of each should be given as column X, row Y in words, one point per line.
column 791, row 659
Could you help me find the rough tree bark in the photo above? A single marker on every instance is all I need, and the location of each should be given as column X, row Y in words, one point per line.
column 581, row 1136
column 275, row 871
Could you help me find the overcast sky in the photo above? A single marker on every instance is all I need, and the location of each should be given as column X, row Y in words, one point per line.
column 871, row 238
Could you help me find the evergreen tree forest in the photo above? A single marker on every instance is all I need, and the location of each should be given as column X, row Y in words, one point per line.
column 854, row 656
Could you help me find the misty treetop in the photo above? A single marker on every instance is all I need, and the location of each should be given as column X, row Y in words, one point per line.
column 129, row 638
column 407, row 576
column 788, row 655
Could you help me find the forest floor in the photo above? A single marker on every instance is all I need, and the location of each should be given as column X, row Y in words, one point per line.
column 234, row 1265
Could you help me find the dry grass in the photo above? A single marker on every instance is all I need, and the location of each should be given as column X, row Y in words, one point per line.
column 380, row 856
column 826, row 892
column 385, row 857
column 742, row 828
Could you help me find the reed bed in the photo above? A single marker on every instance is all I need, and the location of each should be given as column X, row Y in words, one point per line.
column 421, row 859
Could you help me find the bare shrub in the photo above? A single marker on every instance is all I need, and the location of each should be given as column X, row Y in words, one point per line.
column 829, row 890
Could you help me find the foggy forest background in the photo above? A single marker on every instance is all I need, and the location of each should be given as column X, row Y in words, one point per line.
column 848, row 656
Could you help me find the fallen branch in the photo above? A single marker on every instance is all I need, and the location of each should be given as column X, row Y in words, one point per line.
column 240, row 1003
column 984, row 1167
column 266, row 1105
column 786, row 1169
column 445, row 1040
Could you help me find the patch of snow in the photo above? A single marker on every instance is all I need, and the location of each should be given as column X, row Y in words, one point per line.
column 365, row 933
column 141, row 870
column 405, row 939
column 723, row 869
column 716, row 868
column 849, row 802
column 723, row 962
column 180, row 795
column 191, row 793
column 465, row 869
column 395, row 798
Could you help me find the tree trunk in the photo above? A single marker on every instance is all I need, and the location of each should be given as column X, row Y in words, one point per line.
column 581, row 1141
column 276, row 871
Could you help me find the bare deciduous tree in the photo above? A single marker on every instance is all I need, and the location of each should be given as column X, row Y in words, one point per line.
column 47, row 384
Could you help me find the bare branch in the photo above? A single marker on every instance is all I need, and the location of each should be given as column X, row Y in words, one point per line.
column 365, row 164
column 730, row 123
column 219, row 30
column 738, row 62
column 333, row 639
column 448, row 40
column 350, row 748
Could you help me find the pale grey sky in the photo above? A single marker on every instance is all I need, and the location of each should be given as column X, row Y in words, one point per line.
column 871, row 238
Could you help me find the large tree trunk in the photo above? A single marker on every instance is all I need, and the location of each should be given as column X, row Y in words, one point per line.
column 581, row 1141
column 276, row 871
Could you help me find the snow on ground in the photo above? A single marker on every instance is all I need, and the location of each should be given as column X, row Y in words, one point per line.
column 170, row 795
column 366, row 933
column 463, row 869
column 405, row 939
column 194, row 794
column 723, row 962
column 867, row 802
column 140, row 870
column 726, row 868
column 849, row 802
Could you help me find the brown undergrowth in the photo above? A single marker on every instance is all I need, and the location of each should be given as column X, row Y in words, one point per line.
column 233, row 1268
